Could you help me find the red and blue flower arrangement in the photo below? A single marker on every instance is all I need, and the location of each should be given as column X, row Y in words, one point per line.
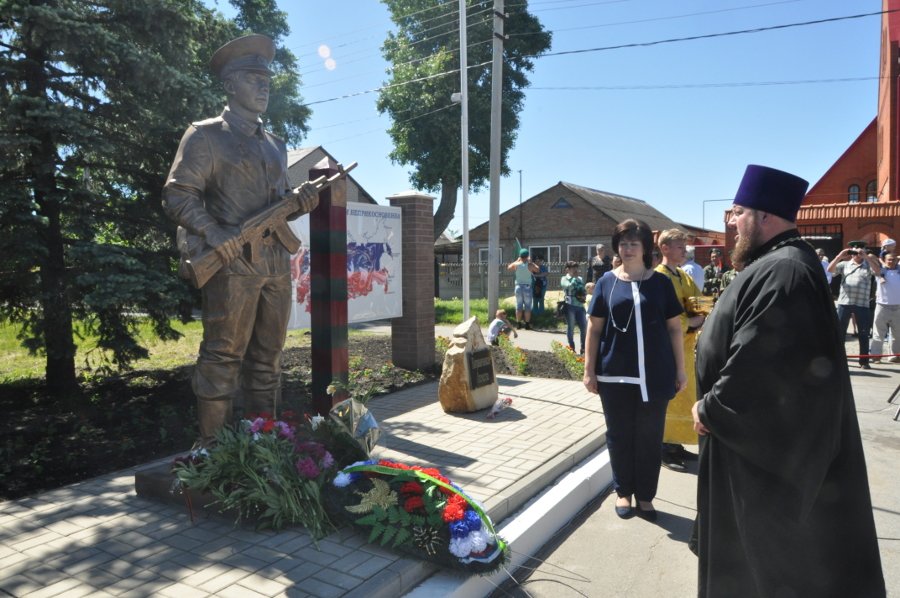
column 420, row 512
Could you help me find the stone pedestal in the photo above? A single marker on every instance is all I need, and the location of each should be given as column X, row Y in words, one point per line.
column 412, row 334
column 468, row 382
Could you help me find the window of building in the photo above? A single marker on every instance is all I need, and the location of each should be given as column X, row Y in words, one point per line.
column 580, row 253
column 562, row 202
column 871, row 196
column 853, row 194
column 550, row 253
column 483, row 254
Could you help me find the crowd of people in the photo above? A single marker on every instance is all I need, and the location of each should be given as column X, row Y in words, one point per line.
column 783, row 503
column 749, row 363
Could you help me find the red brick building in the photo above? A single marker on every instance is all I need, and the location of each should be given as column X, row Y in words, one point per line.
column 858, row 198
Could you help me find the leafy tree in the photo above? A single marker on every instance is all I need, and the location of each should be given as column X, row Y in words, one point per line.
column 424, row 52
column 93, row 100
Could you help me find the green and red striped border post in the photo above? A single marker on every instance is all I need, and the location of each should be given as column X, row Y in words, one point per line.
column 328, row 266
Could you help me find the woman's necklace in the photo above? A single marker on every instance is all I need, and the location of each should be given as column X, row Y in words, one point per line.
column 612, row 318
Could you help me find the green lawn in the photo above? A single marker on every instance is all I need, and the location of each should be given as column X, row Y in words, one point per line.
column 17, row 364
column 450, row 311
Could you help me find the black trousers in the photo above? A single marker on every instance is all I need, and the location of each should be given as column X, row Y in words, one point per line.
column 634, row 433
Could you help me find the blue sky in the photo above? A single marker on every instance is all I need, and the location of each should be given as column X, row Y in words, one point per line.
column 672, row 124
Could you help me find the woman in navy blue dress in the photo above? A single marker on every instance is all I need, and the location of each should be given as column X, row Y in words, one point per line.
column 634, row 359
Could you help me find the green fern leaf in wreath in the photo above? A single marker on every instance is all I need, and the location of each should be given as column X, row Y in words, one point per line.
column 370, row 519
column 417, row 520
column 402, row 536
column 388, row 534
column 377, row 530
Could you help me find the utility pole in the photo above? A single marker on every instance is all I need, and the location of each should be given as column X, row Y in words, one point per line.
column 464, row 132
column 496, row 158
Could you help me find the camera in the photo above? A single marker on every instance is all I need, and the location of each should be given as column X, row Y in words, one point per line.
column 852, row 252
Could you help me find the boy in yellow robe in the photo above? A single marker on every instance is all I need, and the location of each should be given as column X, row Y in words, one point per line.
column 679, row 421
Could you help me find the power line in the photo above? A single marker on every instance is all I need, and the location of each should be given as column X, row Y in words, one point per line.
column 392, row 85
column 644, row 88
column 672, row 17
column 351, row 34
column 702, row 85
column 667, row 18
column 379, row 130
column 445, row 33
column 711, row 35
column 618, row 47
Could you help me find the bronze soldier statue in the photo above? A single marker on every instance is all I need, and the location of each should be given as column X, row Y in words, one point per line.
column 227, row 169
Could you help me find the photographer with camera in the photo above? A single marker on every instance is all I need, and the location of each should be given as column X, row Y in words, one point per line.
column 858, row 269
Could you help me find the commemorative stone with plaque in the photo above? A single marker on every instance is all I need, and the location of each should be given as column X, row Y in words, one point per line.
column 467, row 379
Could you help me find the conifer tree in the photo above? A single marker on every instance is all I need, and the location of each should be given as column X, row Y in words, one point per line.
column 93, row 101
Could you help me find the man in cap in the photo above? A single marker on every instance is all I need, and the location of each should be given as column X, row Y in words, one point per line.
column 713, row 272
column 783, row 496
column 857, row 269
column 887, row 246
column 226, row 169
column 524, row 269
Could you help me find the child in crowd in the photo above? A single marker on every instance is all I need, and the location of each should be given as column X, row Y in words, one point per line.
column 500, row 325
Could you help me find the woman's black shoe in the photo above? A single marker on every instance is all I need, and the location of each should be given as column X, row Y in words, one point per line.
column 624, row 512
column 648, row 515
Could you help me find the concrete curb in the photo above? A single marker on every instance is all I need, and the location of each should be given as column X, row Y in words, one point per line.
column 530, row 528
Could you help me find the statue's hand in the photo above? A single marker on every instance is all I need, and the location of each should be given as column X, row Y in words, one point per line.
column 226, row 245
column 308, row 197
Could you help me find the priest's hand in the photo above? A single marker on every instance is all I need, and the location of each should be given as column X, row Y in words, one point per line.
column 699, row 428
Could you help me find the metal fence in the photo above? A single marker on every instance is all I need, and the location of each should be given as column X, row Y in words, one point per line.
column 449, row 279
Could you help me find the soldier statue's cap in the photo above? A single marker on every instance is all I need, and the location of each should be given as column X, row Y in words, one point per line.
column 252, row 52
column 770, row 190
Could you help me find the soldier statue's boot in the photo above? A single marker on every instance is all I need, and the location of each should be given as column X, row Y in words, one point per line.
column 213, row 415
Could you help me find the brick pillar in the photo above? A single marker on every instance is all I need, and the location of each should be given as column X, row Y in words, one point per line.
column 412, row 335
column 328, row 293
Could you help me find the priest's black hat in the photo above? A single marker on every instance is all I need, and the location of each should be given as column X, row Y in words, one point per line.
column 770, row 190
column 252, row 52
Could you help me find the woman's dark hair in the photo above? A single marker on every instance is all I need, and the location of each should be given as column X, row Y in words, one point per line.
column 635, row 229
column 571, row 264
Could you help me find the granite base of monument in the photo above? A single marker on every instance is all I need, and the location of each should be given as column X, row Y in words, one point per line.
column 156, row 482
column 467, row 378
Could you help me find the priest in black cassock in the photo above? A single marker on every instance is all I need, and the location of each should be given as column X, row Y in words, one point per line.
column 783, row 497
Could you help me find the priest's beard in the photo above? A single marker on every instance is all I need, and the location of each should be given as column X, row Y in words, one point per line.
column 745, row 246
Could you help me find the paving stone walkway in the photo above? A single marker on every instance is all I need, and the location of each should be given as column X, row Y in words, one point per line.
column 98, row 538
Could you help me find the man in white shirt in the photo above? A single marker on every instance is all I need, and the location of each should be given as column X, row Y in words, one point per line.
column 693, row 269
column 887, row 308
